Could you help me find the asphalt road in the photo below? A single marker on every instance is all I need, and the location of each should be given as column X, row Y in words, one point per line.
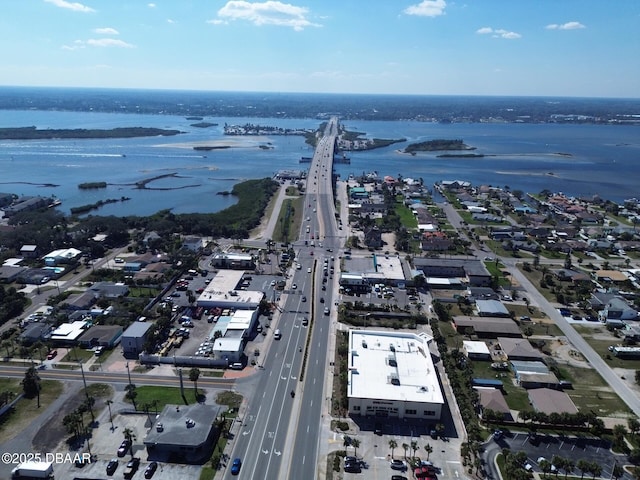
column 303, row 460
column 272, row 414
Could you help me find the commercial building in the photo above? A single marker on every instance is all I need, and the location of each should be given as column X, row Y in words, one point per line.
column 183, row 433
column 391, row 374
column 134, row 337
column 222, row 292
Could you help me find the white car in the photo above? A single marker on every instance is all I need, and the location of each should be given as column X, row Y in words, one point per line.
column 294, row 286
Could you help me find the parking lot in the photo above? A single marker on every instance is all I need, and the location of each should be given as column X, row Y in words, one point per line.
column 104, row 446
column 200, row 329
column 573, row 448
column 375, row 453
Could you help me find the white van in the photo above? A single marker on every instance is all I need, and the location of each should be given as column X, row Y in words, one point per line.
column 277, row 335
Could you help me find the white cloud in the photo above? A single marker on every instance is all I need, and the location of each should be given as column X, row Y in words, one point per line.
column 427, row 8
column 506, row 34
column 75, row 6
column 266, row 13
column 217, row 22
column 498, row 33
column 108, row 42
column 170, row 21
column 565, row 26
column 77, row 45
column 106, row 31
column 151, row 5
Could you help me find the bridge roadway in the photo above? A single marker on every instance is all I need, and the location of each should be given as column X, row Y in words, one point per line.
column 279, row 433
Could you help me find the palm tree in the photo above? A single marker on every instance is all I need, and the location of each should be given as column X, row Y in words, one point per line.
column 617, row 472
column 545, row 466
column 392, row 445
column 131, row 394
column 595, row 469
column 405, row 447
column 194, row 374
column 569, row 466
column 130, row 436
column 355, row 443
column 583, row 466
column 414, row 447
column 429, row 449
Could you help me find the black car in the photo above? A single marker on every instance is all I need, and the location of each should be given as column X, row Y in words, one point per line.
column 124, row 448
column 352, row 467
column 150, row 470
column 111, row 466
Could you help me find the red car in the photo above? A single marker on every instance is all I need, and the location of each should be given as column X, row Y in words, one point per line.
column 52, row 354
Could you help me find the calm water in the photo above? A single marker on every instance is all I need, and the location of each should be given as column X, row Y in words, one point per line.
column 604, row 159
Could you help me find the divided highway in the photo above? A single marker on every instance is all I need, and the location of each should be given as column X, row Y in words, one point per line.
column 280, row 431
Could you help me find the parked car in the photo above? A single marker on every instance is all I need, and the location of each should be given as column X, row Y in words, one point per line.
column 150, row 470
column 398, row 465
column 124, row 448
column 52, row 354
column 235, row 466
column 111, row 466
column 132, row 467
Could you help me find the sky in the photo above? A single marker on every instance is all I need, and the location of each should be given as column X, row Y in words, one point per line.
column 584, row 48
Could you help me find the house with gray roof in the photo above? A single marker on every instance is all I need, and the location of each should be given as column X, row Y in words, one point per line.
column 548, row 400
column 519, row 349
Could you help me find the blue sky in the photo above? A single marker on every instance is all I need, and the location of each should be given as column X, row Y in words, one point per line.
column 475, row 47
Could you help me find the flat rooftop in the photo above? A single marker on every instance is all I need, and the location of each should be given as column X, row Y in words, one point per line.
column 222, row 289
column 392, row 366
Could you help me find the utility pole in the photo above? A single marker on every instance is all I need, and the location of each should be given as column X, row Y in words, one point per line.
column 86, row 392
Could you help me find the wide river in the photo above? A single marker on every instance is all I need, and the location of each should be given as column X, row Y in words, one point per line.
column 602, row 160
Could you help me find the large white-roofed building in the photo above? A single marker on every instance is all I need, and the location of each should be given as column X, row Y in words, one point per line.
column 221, row 292
column 391, row 374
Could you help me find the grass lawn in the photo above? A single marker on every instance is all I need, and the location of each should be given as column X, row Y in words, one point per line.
column 143, row 292
column 407, row 218
column 77, row 354
column 590, row 392
column 291, row 213
column 602, row 347
column 163, row 395
column 16, row 420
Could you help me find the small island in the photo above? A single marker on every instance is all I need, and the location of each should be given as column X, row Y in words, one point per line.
column 350, row 141
column 204, row 124
column 33, row 133
column 437, row 145
column 92, row 185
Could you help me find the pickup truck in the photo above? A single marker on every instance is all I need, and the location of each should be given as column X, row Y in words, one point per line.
column 132, row 467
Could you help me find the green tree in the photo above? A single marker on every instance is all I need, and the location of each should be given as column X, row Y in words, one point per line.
column 355, row 443
column 130, row 437
column 131, row 394
column 405, row 447
column 429, row 449
column 414, row 447
column 392, row 445
column 617, row 471
column 194, row 375
column 584, row 466
column 31, row 384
